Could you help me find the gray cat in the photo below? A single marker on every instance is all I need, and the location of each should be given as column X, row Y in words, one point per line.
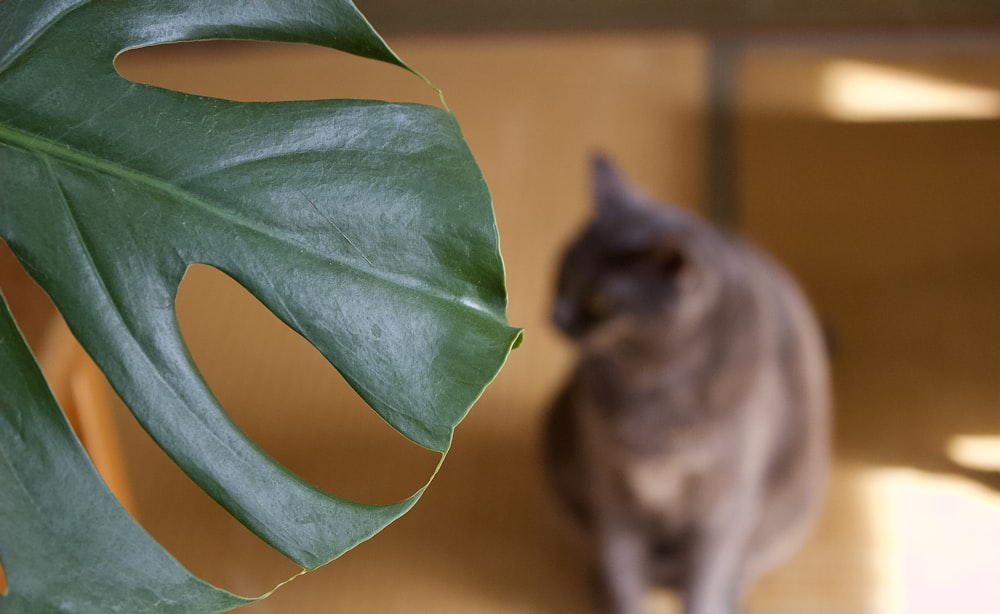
column 692, row 439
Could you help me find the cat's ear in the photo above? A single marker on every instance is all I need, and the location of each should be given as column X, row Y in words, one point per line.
column 610, row 192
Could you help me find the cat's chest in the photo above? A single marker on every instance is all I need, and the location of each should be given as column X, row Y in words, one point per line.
column 665, row 474
column 663, row 485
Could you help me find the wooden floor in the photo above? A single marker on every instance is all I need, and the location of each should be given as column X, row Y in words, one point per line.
column 916, row 346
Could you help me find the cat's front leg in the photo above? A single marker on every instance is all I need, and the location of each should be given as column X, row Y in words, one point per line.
column 623, row 566
column 618, row 535
column 718, row 566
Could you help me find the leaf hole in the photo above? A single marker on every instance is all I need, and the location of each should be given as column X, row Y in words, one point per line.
column 82, row 392
column 30, row 306
column 255, row 71
column 286, row 397
column 77, row 384
column 189, row 524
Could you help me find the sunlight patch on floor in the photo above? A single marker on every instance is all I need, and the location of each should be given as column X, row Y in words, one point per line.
column 938, row 543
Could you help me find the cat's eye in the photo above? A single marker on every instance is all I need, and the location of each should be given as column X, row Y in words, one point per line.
column 664, row 259
column 669, row 261
column 599, row 305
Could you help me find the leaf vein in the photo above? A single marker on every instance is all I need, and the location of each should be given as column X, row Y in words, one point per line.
column 14, row 53
column 47, row 149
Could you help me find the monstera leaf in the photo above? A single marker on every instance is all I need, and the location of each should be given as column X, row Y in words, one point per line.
column 365, row 226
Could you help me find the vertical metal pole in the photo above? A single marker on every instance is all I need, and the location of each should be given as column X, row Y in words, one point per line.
column 722, row 166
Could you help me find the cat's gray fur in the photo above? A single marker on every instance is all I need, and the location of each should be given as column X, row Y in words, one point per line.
column 691, row 439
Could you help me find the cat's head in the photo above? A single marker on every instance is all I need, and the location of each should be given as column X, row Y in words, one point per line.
column 637, row 263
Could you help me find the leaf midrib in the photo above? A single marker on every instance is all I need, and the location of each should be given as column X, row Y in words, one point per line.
column 46, row 147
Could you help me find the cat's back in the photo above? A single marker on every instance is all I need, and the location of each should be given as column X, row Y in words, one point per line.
column 797, row 411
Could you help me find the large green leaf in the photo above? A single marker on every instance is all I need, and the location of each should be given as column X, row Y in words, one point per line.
column 365, row 226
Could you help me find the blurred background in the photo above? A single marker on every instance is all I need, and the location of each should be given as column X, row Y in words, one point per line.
column 858, row 142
